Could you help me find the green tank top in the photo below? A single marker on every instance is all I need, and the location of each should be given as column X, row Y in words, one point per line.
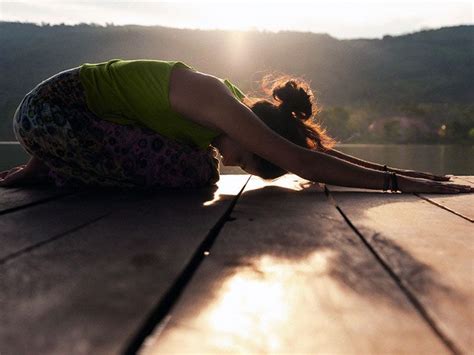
column 135, row 92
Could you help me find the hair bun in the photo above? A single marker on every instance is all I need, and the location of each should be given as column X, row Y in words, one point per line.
column 293, row 98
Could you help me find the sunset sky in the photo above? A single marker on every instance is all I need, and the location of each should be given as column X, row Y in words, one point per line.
column 341, row 19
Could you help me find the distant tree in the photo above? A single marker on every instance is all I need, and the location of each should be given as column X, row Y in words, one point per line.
column 336, row 120
column 426, row 75
column 391, row 131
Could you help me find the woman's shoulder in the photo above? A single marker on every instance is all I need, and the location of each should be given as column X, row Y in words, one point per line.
column 239, row 94
column 193, row 93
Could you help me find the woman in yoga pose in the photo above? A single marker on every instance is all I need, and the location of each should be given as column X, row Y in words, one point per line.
column 154, row 123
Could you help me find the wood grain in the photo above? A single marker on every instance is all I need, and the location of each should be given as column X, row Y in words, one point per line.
column 288, row 275
column 461, row 204
column 468, row 178
column 88, row 293
column 14, row 198
column 25, row 228
column 430, row 249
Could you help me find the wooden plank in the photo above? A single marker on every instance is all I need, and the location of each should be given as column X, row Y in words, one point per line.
column 468, row 178
column 463, row 179
column 88, row 293
column 460, row 204
column 14, row 198
column 289, row 276
column 430, row 249
column 26, row 228
column 455, row 179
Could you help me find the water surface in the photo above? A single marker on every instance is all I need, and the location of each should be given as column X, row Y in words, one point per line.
column 439, row 159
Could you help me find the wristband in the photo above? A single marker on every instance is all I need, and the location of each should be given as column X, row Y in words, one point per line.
column 394, row 181
column 386, row 182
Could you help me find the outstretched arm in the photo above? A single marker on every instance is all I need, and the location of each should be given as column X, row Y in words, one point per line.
column 352, row 159
column 375, row 166
column 207, row 101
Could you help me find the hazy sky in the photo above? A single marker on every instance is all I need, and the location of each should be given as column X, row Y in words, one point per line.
column 341, row 19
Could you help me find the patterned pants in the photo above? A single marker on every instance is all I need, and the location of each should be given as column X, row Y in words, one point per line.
column 54, row 124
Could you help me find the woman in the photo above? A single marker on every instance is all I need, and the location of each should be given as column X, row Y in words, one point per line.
column 152, row 123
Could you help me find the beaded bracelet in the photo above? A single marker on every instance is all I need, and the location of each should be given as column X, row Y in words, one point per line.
column 390, row 182
column 386, row 182
column 394, row 181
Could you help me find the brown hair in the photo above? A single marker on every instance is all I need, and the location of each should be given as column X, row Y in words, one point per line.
column 290, row 111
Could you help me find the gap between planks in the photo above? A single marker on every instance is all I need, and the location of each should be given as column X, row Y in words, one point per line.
column 409, row 295
column 32, row 247
column 140, row 299
column 444, row 207
column 442, row 200
column 36, row 202
column 158, row 315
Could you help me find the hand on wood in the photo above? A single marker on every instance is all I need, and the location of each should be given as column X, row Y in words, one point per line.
column 409, row 184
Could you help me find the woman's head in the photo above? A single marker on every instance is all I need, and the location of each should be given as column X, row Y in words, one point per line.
column 290, row 110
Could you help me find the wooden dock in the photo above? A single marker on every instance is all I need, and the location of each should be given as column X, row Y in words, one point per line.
column 246, row 267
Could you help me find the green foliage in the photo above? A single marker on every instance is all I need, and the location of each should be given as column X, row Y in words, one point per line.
column 336, row 120
column 425, row 76
column 471, row 134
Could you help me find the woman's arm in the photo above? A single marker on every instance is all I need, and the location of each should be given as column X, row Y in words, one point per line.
column 352, row 159
column 206, row 100
column 209, row 102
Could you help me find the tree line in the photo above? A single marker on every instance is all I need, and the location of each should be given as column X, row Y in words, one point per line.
column 415, row 87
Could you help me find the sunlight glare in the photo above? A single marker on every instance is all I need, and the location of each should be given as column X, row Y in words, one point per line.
column 229, row 185
column 255, row 303
column 339, row 18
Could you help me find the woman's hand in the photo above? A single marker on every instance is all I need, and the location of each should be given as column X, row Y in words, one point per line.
column 409, row 184
column 420, row 175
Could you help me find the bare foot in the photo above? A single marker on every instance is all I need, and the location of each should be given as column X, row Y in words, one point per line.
column 3, row 174
column 37, row 166
column 33, row 173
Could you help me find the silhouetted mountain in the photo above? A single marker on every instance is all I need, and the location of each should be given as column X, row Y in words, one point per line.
column 426, row 75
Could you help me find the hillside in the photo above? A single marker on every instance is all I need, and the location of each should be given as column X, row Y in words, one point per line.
column 424, row 76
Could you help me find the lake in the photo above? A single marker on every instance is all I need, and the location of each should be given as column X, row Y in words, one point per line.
column 439, row 159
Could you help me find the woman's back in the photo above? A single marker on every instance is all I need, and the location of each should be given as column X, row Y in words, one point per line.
column 136, row 92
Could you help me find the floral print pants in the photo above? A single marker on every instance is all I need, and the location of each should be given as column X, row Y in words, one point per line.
column 54, row 124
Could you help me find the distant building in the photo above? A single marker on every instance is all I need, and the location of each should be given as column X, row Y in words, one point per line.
column 399, row 128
